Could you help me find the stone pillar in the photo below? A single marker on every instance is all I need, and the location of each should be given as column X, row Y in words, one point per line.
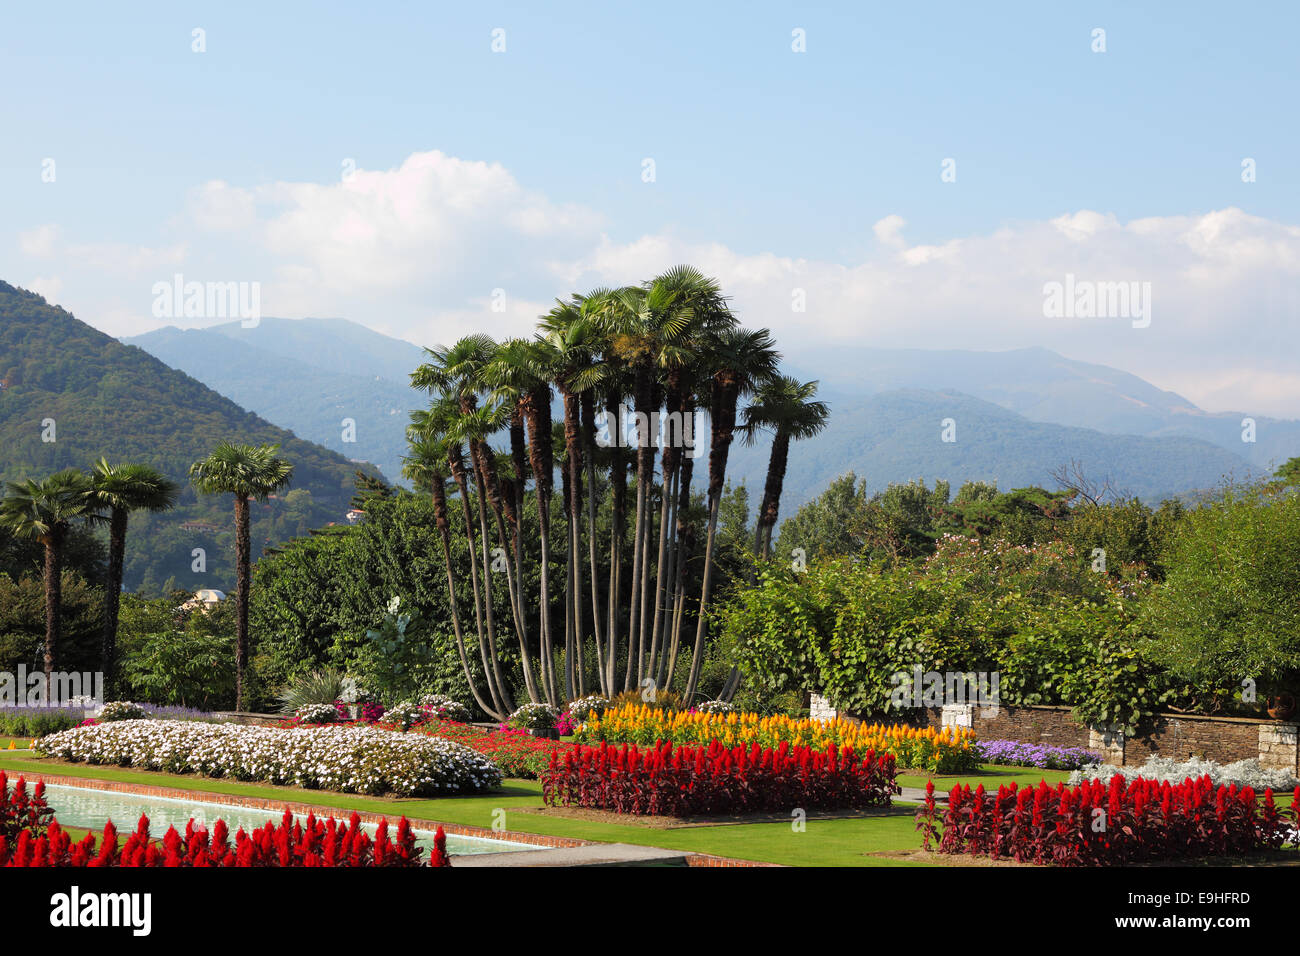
column 819, row 708
column 1109, row 742
column 958, row 716
column 1278, row 747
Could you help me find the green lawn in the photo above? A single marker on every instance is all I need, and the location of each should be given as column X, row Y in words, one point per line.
column 823, row 843
column 991, row 775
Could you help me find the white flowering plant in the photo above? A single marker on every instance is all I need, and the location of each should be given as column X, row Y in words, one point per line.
column 534, row 717
column 717, row 707
column 403, row 715
column 445, row 708
column 1244, row 773
column 121, row 710
column 581, row 710
column 317, row 714
column 347, row 759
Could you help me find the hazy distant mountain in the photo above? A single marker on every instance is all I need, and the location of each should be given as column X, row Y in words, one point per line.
column 1020, row 414
column 311, row 376
column 898, row 436
column 1046, row 387
column 69, row 394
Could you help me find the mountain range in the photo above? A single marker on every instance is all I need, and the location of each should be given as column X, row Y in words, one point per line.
column 69, row 394
column 1018, row 415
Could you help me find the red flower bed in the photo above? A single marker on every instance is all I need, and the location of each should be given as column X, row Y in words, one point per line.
column 1095, row 824
column 517, row 752
column 38, row 841
column 689, row 780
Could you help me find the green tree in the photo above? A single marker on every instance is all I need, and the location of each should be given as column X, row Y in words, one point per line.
column 119, row 490
column 43, row 511
column 250, row 473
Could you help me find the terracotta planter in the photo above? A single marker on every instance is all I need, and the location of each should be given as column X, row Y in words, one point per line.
column 1282, row 707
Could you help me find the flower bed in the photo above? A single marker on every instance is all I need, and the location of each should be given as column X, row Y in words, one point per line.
column 688, row 780
column 346, row 759
column 1105, row 824
column 1243, row 773
column 938, row 751
column 41, row 842
column 516, row 752
column 1013, row 752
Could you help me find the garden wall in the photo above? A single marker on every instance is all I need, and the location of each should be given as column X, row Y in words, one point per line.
column 1222, row 739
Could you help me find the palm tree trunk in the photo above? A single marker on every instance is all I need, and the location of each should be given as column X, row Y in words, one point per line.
column 498, row 708
column 618, row 528
column 243, row 582
column 53, row 606
column 701, row 623
column 440, row 513
column 113, row 590
column 589, row 443
column 537, row 416
column 501, row 689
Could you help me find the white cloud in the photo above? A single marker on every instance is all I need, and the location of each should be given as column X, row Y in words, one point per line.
column 417, row 251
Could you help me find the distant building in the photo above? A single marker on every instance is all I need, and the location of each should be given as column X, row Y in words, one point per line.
column 206, row 598
column 355, row 515
column 200, row 527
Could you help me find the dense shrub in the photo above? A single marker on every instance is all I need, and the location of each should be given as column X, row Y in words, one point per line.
column 316, row 714
column 346, row 759
column 38, row 721
column 121, row 710
column 1102, row 824
column 717, row 779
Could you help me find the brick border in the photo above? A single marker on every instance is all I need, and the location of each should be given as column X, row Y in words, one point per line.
column 366, row 816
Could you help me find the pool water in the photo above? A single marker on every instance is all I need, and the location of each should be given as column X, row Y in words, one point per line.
column 90, row 809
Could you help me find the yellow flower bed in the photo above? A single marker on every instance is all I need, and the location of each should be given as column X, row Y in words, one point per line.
column 922, row 748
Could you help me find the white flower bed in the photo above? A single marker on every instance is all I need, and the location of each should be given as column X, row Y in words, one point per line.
column 1243, row 773
column 347, row 759
column 581, row 709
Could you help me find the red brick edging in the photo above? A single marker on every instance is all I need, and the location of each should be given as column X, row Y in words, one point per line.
column 278, row 807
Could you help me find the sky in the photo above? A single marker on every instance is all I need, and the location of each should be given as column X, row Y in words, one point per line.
column 888, row 175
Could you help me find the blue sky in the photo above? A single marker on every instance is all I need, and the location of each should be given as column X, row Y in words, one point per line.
column 761, row 155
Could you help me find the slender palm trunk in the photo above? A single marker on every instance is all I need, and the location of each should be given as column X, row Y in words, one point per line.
column 113, row 590
column 502, row 690
column 618, row 526
column 498, row 708
column 243, row 581
column 53, row 605
column 440, row 513
column 588, row 408
column 537, row 416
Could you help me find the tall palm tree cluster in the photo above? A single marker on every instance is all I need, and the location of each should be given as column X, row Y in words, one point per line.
column 630, row 367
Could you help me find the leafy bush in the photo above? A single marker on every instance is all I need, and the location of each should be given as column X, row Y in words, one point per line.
column 346, row 759
column 38, row 721
column 717, row 779
column 1098, row 824
column 121, row 710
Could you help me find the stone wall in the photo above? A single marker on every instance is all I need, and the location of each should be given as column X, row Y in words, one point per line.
column 1178, row 736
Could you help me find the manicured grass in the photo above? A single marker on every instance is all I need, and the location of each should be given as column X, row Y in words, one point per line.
column 822, row 843
column 991, row 775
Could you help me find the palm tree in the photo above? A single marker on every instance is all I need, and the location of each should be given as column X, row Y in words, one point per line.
column 119, row 490
column 43, row 511
column 742, row 360
column 569, row 344
column 249, row 472
column 790, row 410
